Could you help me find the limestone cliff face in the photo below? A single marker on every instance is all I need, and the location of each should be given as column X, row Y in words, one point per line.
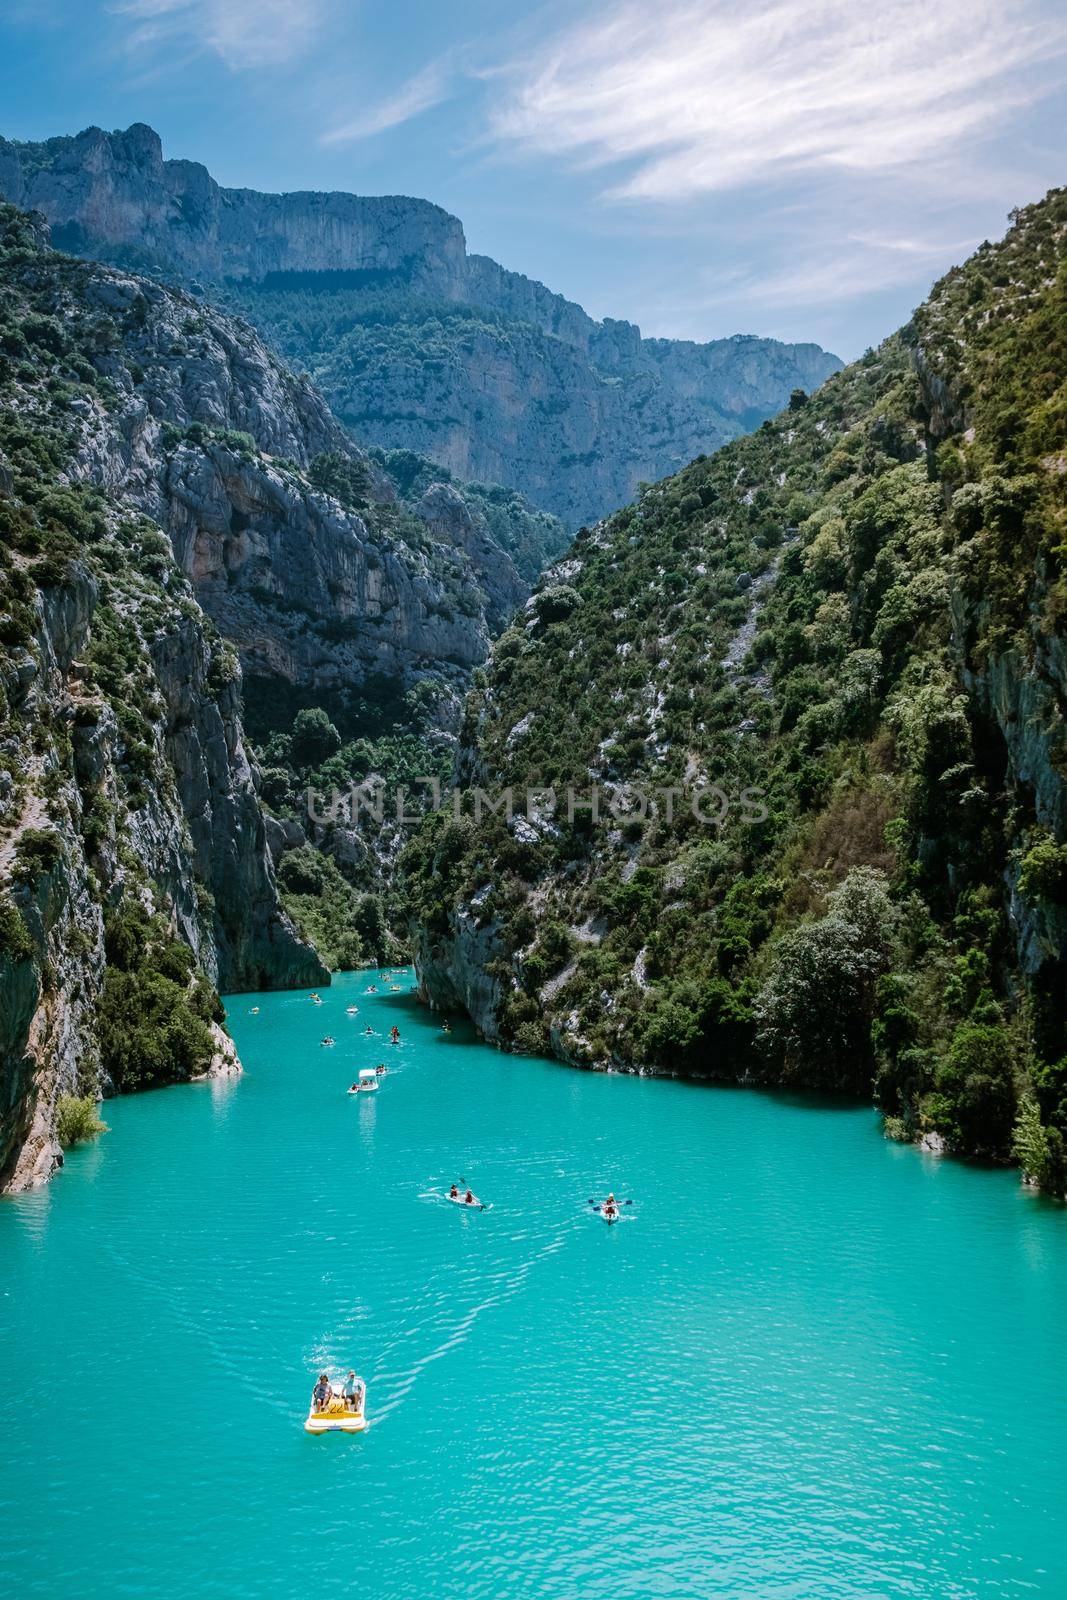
column 116, row 189
column 742, row 378
column 451, row 520
column 213, row 438
column 188, row 844
column 510, row 383
column 454, row 969
column 124, row 777
column 511, row 404
column 169, row 479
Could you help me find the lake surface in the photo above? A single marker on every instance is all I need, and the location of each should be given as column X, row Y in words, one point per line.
column 814, row 1365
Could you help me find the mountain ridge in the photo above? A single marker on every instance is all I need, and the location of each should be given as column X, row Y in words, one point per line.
column 570, row 411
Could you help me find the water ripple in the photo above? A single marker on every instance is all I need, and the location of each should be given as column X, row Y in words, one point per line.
column 811, row 1367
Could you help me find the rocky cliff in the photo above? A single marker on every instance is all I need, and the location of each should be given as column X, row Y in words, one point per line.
column 134, row 873
column 156, row 429
column 114, row 190
column 417, row 344
column 814, row 690
column 295, row 542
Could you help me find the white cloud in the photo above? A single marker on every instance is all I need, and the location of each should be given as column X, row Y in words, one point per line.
column 692, row 99
column 427, row 88
column 244, row 33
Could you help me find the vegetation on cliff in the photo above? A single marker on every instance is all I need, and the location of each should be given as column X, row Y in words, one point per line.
column 532, row 538
column 77, row 1120
column 121, row 761
column 335, row 868
column 851, row 623
column 416, row 372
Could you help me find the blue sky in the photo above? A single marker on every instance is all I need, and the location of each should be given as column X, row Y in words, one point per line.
column 799, row 168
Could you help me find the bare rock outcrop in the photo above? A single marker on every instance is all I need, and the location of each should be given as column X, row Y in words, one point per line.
column 530, row 391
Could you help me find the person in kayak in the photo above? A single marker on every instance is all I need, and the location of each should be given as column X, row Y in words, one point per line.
column 453, row 1193
column 381, row 1069
column 610, row 1207
column 320, row 1395
column 394, row 1034
column 468, row 1198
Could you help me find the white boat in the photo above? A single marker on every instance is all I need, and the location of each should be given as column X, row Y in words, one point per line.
column 368, row 1080
column 473, row 1204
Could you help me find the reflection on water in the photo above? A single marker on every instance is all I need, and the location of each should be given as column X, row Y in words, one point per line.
column 30, row 1211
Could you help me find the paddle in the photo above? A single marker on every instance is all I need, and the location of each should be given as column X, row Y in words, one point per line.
column 600, row 1202
column 466, row 1185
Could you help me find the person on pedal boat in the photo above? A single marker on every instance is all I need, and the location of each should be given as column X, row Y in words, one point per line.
column 352, row 1390
column 320, row 1395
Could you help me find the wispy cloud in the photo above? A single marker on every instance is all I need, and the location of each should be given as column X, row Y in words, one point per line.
column 688, row 99
column 244, row 33
column 427, row 88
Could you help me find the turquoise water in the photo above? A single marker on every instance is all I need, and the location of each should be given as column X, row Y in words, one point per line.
column 814, row 1365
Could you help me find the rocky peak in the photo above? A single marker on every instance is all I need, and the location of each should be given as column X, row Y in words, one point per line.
column 107, row 192
column 528, row 395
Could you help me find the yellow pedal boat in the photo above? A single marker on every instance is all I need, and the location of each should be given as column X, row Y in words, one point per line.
column 336, row 1416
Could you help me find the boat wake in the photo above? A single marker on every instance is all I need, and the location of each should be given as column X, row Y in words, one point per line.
column 508, row 1282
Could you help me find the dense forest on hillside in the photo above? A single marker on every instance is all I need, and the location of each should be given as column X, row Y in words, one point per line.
column 856, row 614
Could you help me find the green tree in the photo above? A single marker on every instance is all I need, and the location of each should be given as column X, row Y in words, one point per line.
column 1043, row 875
column 314, row 738
column 77, row 1120
column 814, row 1011
column 303, row 870
column 975, row 1086
column 148, row 1032
column 1029, row 1143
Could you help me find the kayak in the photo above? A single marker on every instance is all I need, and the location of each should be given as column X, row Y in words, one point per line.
column 468, row 1205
